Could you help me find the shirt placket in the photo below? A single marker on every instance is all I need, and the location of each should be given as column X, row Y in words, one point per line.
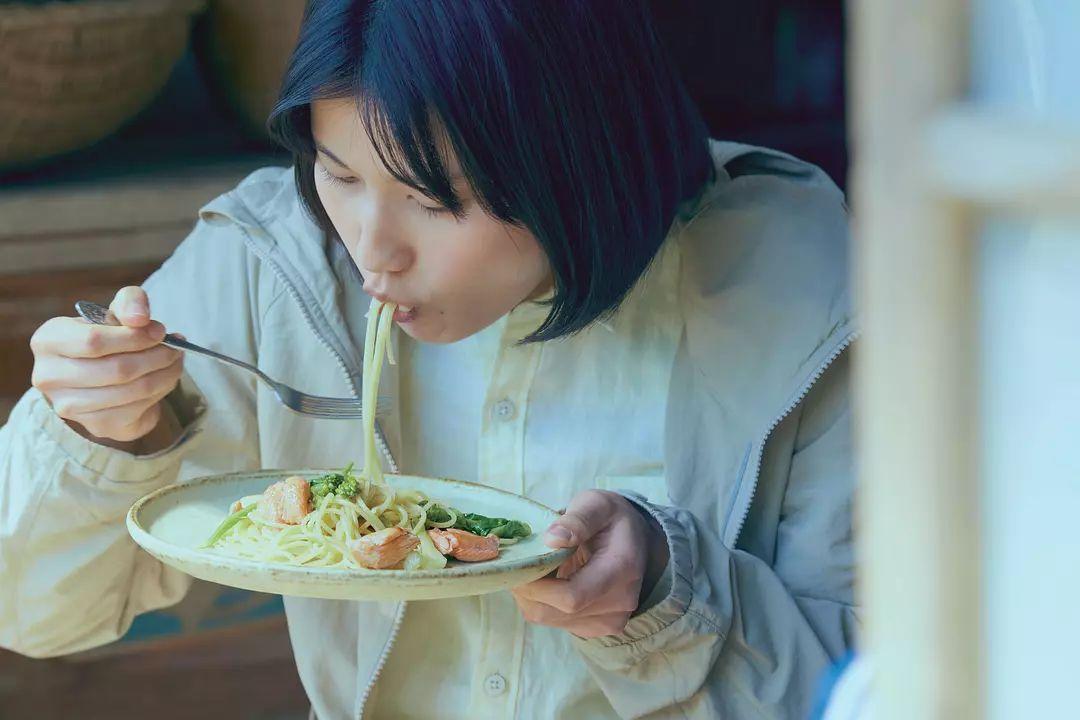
column 496, row 679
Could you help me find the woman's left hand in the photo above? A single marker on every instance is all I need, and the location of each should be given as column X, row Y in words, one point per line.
column 619, row 553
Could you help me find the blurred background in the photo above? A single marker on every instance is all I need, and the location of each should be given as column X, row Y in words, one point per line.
column 119, row 118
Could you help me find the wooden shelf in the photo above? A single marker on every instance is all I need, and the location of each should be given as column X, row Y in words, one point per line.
column 138, row 217
column 243, row 672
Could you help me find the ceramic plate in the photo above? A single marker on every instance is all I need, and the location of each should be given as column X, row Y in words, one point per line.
column 172, row 524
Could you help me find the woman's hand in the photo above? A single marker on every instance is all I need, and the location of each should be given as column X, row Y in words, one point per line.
column 620, row 554
column 108, row 382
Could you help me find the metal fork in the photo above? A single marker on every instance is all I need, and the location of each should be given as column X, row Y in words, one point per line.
column 313, row 405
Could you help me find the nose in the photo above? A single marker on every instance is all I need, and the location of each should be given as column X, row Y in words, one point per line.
column 380, row 247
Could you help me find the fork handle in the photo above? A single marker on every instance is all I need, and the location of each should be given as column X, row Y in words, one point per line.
column 100, row 315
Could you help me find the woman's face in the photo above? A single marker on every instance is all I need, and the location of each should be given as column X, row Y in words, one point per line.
column 457, row 275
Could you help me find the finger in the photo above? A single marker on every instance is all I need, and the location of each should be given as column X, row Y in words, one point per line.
column 124, row 424
column 588, row 513
column 614, row 571
column 573, row 563
column 151, row 387
column 131, row 307
column 560, row 595
column 595, row 585
column 52, row 372
column 76, row 338
column 601, row 625
column 605, row 622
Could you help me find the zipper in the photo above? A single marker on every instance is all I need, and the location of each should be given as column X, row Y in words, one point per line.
column 380, row 441
column 398, row 619
column 799, row 397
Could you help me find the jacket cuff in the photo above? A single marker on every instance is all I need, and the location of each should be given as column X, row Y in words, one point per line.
column 110, row 465
column 675, row 603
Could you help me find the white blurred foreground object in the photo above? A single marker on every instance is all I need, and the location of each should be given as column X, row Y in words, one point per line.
column 967, row 202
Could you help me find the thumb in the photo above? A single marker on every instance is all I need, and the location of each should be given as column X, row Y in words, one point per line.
column 588, row 513
column 131, row 307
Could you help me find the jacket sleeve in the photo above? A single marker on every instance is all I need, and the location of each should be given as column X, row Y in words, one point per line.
column 734, row 637
column 70, row 576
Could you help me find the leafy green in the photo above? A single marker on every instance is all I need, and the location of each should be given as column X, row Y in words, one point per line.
column 479, row 524
column 438, row 514
column 228, row 523
column 508, row 529
column 343, row 484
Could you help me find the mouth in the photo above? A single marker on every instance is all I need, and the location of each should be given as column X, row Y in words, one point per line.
column 404, row 314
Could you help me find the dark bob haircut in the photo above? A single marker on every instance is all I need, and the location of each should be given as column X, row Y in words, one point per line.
column 566, row 116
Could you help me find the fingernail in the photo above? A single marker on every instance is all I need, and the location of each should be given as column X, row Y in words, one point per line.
column 134, row 307
column 559, row 533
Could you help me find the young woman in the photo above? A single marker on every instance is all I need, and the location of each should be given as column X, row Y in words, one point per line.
column 598, row 308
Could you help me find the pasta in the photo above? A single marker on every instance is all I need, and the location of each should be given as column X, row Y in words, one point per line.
column 353, row 520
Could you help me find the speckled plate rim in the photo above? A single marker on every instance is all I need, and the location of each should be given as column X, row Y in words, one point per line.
column 336, row 576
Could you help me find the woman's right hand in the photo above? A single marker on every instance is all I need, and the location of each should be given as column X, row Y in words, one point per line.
column 108, row 382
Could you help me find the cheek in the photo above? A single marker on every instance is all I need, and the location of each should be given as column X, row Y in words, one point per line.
column 514, row 256
column 326, row 198
column 474, row 275
column 508, row 260
column 333, row 203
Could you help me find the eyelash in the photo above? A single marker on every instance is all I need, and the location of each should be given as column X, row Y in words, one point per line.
column 434, row 211
column 335, row 180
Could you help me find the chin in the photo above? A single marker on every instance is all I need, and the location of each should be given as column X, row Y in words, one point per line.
column 423, row 332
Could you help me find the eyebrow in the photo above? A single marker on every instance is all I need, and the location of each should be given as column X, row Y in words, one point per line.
column 454, row 177
column 323, row 149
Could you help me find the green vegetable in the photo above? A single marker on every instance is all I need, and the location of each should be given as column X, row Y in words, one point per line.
column 511, row 529
column 343, row 484
column 480, row 524
column 438, row 514
column 499, row 527
column 228, row 523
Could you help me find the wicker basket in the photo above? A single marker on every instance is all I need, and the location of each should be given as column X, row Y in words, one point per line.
column 73, row 72
column 244, row 46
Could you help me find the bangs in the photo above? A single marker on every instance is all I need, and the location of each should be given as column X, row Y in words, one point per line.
column 409, row 94
column 408, row 140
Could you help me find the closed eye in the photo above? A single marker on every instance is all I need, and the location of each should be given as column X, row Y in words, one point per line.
column 435, row 211
column 336, row 180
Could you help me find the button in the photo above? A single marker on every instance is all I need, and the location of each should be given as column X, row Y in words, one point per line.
column 505, row 409
column 494, row 684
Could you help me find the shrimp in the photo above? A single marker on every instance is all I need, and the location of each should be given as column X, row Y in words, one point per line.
column 287, row 501
column 384, row 549
column 464, row 545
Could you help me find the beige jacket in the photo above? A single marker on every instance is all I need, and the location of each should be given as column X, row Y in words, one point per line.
column 757, row 451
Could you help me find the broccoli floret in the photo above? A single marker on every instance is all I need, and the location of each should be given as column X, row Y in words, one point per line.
column 343, row 484
column 348, row 487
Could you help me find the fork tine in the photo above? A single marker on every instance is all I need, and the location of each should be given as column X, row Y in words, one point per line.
column 338, row 407
column 339, row 403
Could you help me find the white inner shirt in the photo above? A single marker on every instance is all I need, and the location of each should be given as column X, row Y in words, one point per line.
column 546, row 420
